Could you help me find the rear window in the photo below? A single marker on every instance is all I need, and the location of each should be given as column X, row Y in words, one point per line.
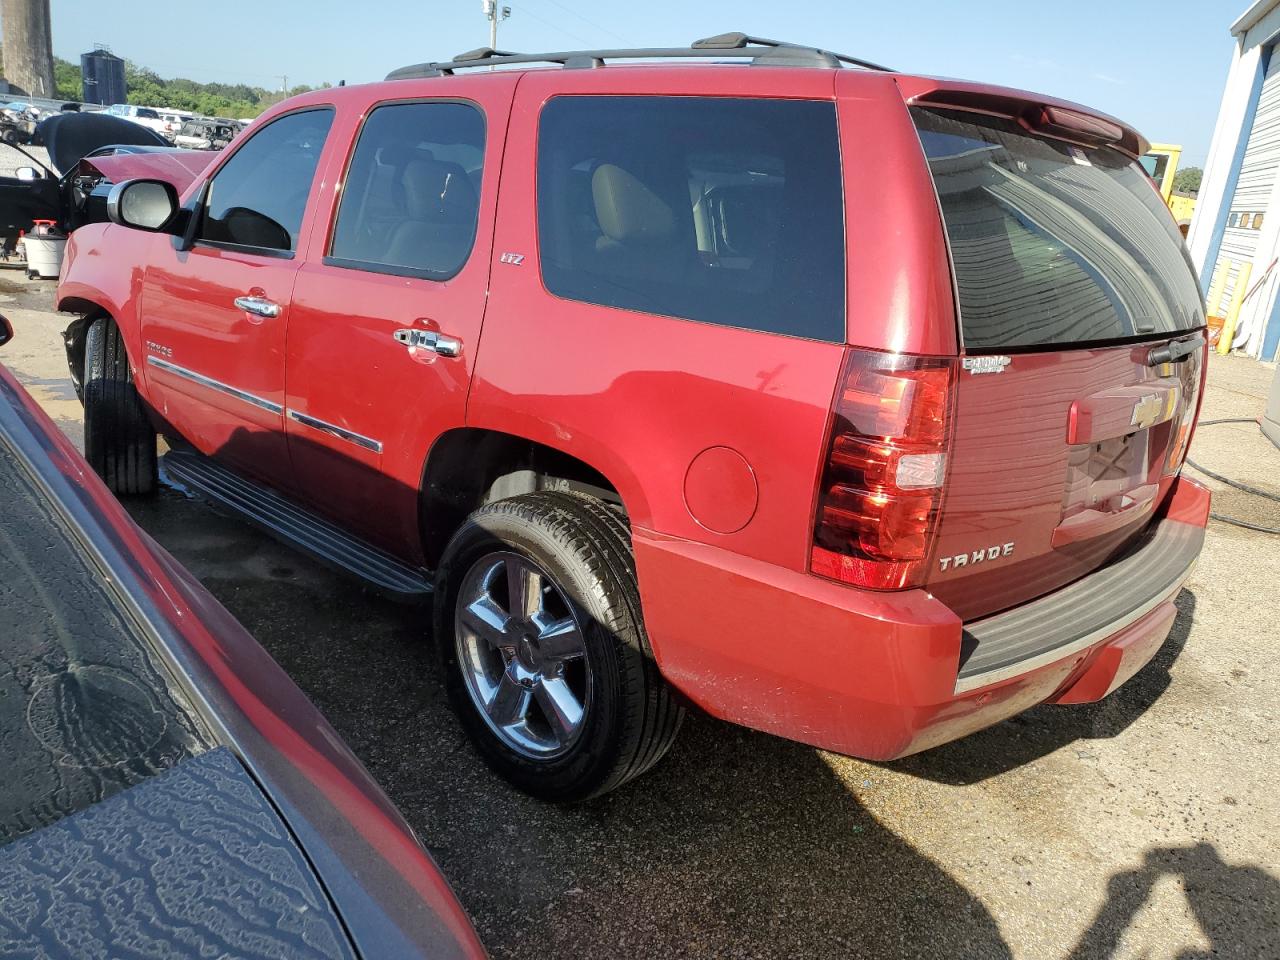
column 1053, row 244
column 720, row 210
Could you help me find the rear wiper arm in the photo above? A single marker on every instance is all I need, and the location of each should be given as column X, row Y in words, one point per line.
column 1175, row 352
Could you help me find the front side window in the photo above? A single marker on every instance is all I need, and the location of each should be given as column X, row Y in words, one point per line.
column 258, row 197
column 720, row 210
column 412, row 193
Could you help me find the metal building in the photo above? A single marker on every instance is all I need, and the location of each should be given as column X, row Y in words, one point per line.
column 103, row 75
column 1235, row 234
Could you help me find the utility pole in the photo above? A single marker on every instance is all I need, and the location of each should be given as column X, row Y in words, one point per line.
column 493, row 13
column 28, row 46
column 284, row 86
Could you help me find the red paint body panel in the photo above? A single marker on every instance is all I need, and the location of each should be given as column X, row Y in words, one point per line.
column 640, row 396
column 188, row 313
column 1120, row 658
column 1013, row 463
column 1007, row 101
column 179, row 167
column 900, row 296
column 109, row 266
column 872, row 675
column 344, row 366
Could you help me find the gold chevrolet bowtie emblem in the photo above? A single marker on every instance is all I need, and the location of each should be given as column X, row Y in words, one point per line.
column 1147, row 410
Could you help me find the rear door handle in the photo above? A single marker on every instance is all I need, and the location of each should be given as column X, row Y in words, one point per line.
column 440, row 343
column 259, row 306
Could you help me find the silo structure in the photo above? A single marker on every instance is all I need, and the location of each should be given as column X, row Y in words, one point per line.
column 103, row 74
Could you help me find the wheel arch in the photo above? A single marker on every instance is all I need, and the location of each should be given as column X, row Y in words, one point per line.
column 76, row 334
column 468, row 467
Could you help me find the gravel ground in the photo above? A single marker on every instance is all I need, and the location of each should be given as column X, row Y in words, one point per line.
column 1143, row 826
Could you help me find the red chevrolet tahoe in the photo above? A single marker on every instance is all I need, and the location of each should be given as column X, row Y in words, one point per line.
column 843, row 404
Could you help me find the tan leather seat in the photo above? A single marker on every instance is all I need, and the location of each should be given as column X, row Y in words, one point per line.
column 639, row 236
column 440, row 206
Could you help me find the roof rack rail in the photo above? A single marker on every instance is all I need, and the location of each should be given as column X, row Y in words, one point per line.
column 757, row 49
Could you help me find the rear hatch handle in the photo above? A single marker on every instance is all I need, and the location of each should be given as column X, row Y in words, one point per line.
column 1175, row 351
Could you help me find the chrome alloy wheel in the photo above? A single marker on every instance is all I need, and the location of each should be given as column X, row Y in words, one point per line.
column 522, row 655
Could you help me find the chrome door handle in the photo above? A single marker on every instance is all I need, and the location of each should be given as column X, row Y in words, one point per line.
column 445, row 346
column 259, row 306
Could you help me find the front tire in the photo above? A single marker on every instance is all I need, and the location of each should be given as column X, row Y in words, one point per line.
column 545, row 657
column 119, row 440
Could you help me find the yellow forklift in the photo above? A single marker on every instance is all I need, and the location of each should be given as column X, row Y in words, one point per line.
column 1161, row 164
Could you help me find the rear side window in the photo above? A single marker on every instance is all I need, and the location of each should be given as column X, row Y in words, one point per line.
column 412, row 193
column 258, row 197
column 726, row 211
column 1053, row 244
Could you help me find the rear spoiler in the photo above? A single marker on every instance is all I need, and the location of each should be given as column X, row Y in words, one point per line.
column 1047, row 116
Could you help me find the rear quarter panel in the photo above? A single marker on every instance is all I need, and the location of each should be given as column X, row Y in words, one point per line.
column 638, row 396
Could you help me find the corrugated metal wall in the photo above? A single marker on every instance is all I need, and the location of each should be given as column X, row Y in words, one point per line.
column 1258, row 171
column 1253, row 189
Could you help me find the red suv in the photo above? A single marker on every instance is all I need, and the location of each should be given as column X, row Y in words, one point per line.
column 844, row 404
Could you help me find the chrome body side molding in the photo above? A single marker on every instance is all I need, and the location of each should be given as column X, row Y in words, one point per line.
column 334, row 430
column 213, row 384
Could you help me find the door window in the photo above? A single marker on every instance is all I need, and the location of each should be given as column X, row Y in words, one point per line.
column 412, row 193
column 258, row 197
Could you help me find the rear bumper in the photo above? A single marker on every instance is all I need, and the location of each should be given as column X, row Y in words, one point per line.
column 883, row 675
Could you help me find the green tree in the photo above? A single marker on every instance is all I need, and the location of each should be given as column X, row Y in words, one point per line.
column 67, row 83
column 1187, row 180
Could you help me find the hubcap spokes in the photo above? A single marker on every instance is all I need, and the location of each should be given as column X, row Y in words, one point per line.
column 522, row 654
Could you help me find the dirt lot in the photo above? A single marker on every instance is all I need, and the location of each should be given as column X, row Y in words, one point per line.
column 1144, row 826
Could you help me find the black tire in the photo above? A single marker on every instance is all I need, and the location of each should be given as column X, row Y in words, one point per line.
column 119, row 440
column 584, row 547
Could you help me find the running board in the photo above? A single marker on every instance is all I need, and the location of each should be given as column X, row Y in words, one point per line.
column 295, row 525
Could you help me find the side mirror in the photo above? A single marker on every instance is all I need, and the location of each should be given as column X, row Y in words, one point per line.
column 28, row 173
column 6, row 330
column 150, row 205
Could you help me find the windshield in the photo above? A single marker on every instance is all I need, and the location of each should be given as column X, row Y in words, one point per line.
column 1051, row 243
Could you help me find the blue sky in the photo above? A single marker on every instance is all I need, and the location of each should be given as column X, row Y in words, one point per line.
column 1159, row 66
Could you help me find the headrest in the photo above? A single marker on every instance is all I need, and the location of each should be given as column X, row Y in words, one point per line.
column 626, row 209
column 438, row 191
column 397, row 153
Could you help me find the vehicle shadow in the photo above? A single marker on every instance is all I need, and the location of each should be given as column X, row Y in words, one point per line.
column 1215, row 891
column 738, row 844
column 1038, row 732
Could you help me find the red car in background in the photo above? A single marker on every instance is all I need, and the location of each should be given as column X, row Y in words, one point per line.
column 846, row 404
column 168, row 791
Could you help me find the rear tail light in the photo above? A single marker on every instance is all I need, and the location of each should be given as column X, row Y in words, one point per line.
column 886, row 463
column 1192, row 372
